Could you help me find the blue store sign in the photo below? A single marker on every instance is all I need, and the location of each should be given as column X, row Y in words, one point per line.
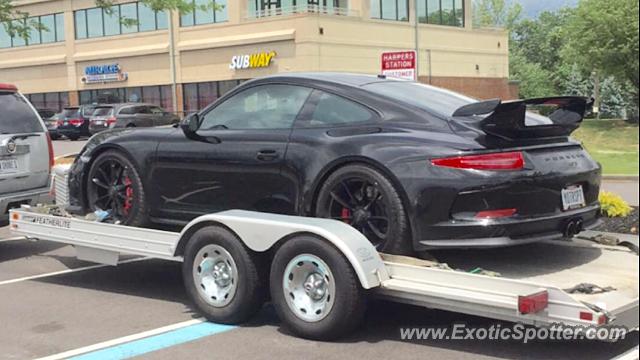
column 103, row 73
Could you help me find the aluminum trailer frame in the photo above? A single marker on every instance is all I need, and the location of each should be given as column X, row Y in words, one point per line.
column 400, row 279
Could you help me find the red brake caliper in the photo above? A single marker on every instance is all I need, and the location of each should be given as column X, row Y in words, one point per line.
column 128, row 195
column 345, row 214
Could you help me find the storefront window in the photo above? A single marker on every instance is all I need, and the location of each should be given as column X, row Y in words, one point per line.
column 43, row 30
column 441, row 12
column 197, row 96
column 397, row 10
column 261, row 8
column 206, row 12
column 98, row 22
column 157, row 95
column 55, row 101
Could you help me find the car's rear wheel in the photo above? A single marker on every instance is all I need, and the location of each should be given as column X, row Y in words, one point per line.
column 114, row 186
column 364, row 198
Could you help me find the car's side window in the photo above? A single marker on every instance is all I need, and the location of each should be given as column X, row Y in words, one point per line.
column 142, row 110
column 156, row 110
column 260, row 107
column 126, row 110
column 333, row 110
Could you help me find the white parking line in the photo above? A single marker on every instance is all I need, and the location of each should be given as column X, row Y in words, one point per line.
column 67, row 271
column 122, row 340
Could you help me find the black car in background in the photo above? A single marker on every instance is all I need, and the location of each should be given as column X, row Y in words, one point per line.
column 74, row 121
column 129, row 115
column 52, row 124
column 411, row 166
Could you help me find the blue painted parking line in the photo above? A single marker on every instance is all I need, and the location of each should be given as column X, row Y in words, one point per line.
column 157, row 342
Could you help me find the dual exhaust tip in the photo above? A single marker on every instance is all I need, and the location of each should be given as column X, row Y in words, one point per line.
column 573, row 228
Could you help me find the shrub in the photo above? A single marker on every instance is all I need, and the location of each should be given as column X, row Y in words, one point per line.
column 613, row 205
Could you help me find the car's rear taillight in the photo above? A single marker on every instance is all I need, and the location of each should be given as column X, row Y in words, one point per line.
column 76, row 122
column 110, row 121
column 533, row 303
column 495, row 161
column 50, row 145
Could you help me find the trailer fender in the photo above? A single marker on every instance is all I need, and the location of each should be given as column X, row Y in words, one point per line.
column 261, row 231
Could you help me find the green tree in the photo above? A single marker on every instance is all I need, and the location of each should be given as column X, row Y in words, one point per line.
column 496, row 13
column 535, row 81
column 602, row 36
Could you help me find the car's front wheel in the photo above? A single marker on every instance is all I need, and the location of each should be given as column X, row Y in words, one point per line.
column 362, row 197
column 114, row 186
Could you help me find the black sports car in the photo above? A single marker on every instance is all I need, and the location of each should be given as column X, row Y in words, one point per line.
column 411, row 166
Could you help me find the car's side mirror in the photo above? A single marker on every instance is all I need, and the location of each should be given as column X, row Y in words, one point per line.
column 190, row 125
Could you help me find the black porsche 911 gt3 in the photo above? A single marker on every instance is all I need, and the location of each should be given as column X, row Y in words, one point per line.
column 411, row 166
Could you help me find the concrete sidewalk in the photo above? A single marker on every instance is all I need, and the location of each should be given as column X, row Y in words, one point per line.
column 628, row 189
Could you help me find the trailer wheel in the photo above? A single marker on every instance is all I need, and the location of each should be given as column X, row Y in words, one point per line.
column 315, row 290
column 222, row 277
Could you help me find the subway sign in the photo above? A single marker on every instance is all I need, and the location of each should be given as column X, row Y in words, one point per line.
column 103, row 73
column 252, row 61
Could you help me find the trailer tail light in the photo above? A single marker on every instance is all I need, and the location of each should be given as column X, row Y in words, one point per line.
column 495, row 214
column 588, row 316
column 76, row 122
column 496, row 161
column 533, row 303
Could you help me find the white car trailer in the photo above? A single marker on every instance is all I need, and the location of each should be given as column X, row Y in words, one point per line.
column 319, row 272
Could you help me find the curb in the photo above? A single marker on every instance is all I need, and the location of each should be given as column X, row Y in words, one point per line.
column 620, row 177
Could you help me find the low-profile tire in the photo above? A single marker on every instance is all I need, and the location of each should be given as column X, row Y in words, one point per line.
column 314, row 289
column 122, row 195
column 222, row 277
column 366, row 199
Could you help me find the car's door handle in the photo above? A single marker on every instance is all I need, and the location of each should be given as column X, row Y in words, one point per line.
column 267, row 155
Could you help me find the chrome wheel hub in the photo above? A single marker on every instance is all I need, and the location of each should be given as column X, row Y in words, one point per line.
column 215, row 275
column 309, row 287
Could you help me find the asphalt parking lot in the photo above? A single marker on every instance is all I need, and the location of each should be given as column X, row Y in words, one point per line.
column 54, row 305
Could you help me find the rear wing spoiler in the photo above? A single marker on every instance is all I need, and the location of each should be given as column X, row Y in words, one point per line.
column 507, row 119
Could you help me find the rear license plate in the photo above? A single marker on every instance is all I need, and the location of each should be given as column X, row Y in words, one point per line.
column 8, row 166
column 98, row 122
column 572, row 197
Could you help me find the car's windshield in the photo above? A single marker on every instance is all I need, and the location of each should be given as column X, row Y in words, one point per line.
column 17, row 117
column 71, row 112
column 440, row 101
column 103, row 111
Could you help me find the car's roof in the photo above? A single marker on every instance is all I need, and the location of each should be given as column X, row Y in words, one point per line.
column 350, row 79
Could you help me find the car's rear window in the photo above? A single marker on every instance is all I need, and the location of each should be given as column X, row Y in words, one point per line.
column 16, row 116
column 103, row 111
column 71, row 112
column 87, row 110
column 439, row 101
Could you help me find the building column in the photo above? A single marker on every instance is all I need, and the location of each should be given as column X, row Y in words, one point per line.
column 237, row 11
column 70, row 50
column 363, row 7
column 468, row 14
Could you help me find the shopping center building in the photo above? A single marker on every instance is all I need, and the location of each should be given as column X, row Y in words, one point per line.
column 88, row 54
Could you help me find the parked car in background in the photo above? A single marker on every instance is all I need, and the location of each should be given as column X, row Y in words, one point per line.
column 129, row 115
column 26, row 153
column 74, row 122
column 52, row 124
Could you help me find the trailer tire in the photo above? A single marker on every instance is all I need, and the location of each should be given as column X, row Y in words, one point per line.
column 222, row 277
column 314, row 289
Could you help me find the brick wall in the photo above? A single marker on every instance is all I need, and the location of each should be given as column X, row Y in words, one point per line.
column 481, row 88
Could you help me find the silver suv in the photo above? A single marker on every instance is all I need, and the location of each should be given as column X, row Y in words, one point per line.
column 26, row 153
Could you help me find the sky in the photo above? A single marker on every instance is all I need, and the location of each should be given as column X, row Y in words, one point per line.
column 531, row 8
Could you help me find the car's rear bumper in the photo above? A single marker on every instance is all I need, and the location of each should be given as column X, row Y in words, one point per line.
column 507, row 232
column 28, row 197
